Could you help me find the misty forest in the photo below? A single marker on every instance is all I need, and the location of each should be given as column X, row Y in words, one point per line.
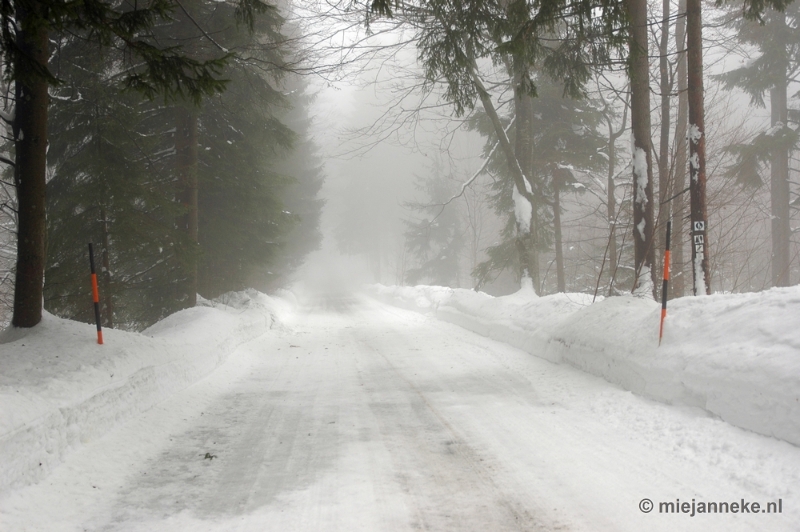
column 483, row 142
column 400, row 265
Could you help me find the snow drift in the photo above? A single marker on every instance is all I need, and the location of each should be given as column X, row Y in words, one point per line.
column 736, row 356
column 59, row 389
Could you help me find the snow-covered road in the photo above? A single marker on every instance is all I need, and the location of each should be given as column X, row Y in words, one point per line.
column 362, row 416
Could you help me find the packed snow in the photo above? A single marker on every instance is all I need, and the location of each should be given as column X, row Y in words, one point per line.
column 736, row 356
column 699, row 274
column 695, row 134
column 642, row 178
column 343, row 412
column 59, row 389
column 523, row 210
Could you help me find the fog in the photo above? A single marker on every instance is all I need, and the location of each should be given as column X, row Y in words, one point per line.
column 381, row 265
column 378, row 153
column 338, row 146
column 368, row 183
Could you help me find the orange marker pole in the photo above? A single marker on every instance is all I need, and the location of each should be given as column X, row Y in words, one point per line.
column 95, row 296
column 665, row 285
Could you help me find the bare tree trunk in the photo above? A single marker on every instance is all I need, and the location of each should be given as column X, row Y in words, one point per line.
column 107, row 292
column 611, row 212
column 697, row 148
column 643, row 230
column 562, row 285
column 30, row 141
column 502, row 138
column 523, row 152
column 525, row 241
column 186, row 169
column 779, row 168
column 611, row 198
column 665, row 188
column 108, row 298
column 681, row 129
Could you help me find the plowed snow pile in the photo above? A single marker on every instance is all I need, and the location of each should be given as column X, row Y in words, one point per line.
column 59, row 389
column 735, row 355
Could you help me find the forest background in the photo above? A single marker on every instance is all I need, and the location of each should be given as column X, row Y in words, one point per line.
column 201, row 193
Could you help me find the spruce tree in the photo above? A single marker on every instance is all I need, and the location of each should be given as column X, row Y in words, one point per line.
column 566, row 142
column 107, row 187
column 115, row 182
column 769, row 74
column 146, row 67
column 437, row 239
column 300, row 198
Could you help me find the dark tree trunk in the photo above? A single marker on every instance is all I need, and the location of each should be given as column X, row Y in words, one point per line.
column 523, row 152
column 611, row 207
column 779, row 167
column 665, row 188
column 518, row 11
column 30, row 134
column 611, row 198
column 681, row 128
column 186, row 169
column 643, row 230
column 108, row 293
column 525, row 241
column 561, row 282
column 697, row 148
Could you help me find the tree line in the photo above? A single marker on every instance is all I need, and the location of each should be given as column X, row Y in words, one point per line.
column 553, row 85
column 169, row 134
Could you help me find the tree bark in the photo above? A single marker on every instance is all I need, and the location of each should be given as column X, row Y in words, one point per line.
column 523, row 152
column 611, row 197
column 186, row 169
column 643, row 230
column 30, row 142
column 697, row 148
column 681, row 129
column 611, row 206
column 502, row 138
column 561, row 282
column 665, row 188
column 525, row 241
column 108, row 293
column 779, row 166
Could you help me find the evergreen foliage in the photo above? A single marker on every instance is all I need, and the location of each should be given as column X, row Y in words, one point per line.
column 751, row 158
column 778, row 41
column 300, row 198
column 566, row 39
column 144, row 64
column 114, row 181
column 564, row 137
column 778, row 62
column 108, row 185
column 146, row 67
column 438, row 239
column 242, row 218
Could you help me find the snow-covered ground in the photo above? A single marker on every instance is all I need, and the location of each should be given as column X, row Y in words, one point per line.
column 736, row 356
column 59, row 389
column 344, row 413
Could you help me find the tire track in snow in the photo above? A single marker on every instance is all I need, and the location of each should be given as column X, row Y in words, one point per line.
column 430, row 442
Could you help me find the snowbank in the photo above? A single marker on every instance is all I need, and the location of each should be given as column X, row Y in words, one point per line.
column 59, row 389
column 736, row 356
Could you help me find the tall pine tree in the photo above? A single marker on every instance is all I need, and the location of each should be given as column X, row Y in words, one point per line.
column 778, row 41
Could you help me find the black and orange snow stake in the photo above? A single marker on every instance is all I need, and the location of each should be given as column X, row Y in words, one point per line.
column 665, row 285
column 95, row 296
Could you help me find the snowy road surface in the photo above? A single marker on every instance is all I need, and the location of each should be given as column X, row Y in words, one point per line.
column 361, row 416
